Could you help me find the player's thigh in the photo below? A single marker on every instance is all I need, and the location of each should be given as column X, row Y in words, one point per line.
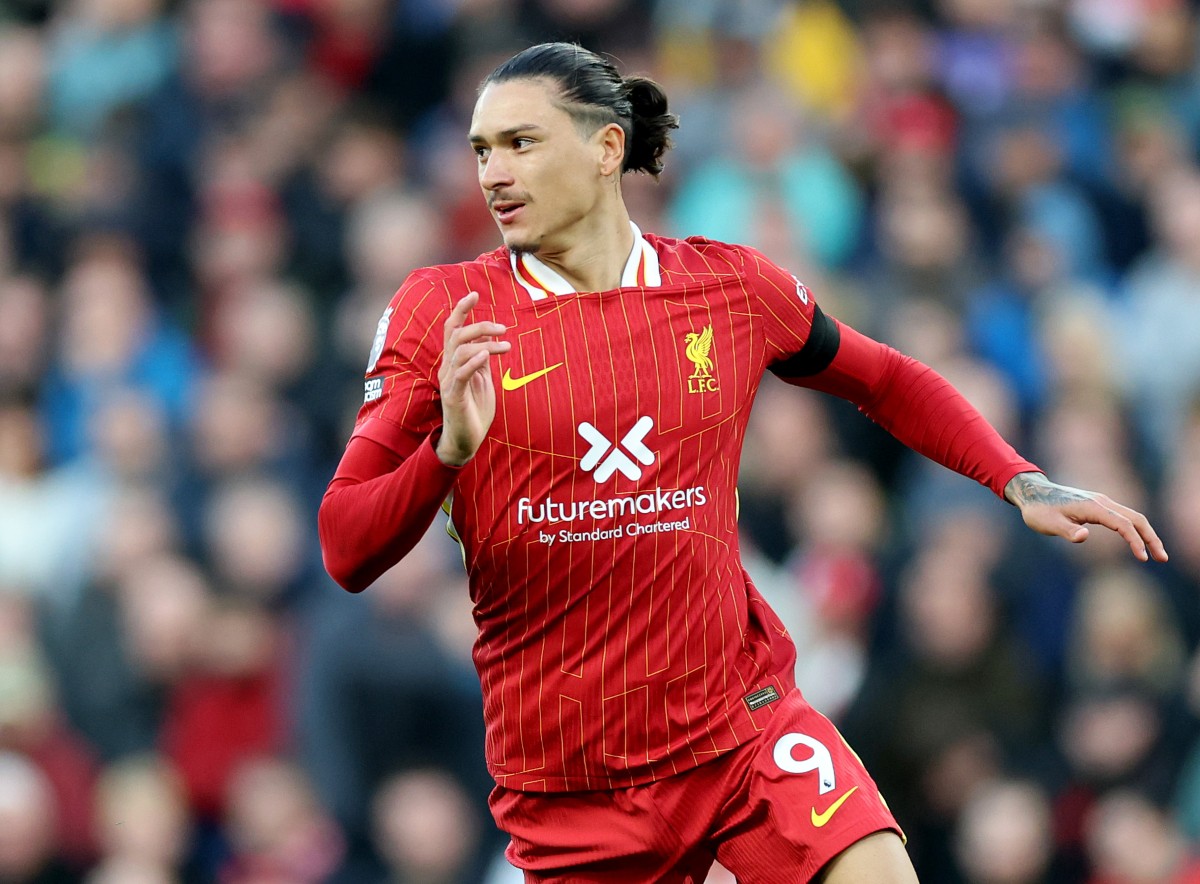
column 879, row 858
column 802, row 800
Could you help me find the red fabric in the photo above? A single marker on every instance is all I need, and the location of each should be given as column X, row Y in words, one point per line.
column 618, row 634
column 215, row 722
column 377, row 507
column 71, row 768
column 756, row 817
column 920, row 408
column 617, row 630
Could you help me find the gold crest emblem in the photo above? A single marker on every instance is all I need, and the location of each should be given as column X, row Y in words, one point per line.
column 698, row 349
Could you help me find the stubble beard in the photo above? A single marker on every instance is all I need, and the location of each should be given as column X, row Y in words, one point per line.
column 524, row 247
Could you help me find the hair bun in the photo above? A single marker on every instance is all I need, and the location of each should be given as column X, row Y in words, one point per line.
column 652, row 125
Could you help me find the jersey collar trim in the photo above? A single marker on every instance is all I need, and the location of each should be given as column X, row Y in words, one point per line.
column 541, row 280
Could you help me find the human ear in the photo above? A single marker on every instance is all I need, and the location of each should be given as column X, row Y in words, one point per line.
column 611, row 144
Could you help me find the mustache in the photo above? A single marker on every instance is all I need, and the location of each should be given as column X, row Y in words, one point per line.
column 505, row 197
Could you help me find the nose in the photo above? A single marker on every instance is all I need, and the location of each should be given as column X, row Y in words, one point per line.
column 494, row 173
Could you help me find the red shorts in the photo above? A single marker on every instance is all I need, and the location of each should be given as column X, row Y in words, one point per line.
column 776, row 809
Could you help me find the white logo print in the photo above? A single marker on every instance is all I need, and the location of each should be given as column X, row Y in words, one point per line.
column 801, row 290
column 617, row 459
column 381, row 331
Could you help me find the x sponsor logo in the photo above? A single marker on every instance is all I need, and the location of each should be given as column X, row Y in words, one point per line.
column 604, row 458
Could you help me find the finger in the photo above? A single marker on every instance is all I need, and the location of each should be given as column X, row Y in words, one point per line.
column 458, row 315
column 1110, row 517
column 1146, row 532
column 474, row 331
column 475, row 355
column 470, row 351
column 454, row 357
column 464, row 374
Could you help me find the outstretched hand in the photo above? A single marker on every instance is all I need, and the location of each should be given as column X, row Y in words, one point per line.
column 1057, row 510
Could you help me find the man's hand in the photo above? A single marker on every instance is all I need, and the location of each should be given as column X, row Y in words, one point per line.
column 468, row 397
column 1057, row 510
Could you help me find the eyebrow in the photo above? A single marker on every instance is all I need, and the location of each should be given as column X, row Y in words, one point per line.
column 505, row 134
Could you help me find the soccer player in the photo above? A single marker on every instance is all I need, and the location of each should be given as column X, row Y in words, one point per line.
column 581, row 397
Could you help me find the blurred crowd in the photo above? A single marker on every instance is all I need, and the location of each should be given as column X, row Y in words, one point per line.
column 205, row 205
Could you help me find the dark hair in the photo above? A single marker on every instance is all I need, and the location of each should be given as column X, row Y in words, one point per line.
column 595, row 94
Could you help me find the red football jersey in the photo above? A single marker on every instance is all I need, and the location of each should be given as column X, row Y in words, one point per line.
column 620, row 640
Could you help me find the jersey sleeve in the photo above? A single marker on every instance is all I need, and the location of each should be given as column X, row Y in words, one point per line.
column 400, row 393
column 919, row 407
column 786, row 306
column 390, row 482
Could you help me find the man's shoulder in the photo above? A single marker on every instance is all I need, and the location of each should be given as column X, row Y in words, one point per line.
column 695, row 254
column 460, row 277
column 436, row 286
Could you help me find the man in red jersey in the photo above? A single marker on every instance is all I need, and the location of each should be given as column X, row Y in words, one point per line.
column 582, row 396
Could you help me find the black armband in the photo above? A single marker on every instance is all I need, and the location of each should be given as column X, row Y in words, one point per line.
column 818, row 351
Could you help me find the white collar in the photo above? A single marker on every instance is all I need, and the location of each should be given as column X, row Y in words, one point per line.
column 540, row 280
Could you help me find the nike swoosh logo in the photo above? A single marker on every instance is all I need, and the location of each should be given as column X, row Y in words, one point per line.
column 508, row 382
column 820, row 819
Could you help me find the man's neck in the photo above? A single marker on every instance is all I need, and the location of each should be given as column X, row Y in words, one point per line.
column 594, row 262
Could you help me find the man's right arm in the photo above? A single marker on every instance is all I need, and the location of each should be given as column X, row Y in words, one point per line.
column 376, row 508
column 396, row 472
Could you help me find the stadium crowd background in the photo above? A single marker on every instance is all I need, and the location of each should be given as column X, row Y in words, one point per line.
column 205, row 206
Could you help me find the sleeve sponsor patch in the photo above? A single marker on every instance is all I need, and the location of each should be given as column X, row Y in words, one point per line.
column 372, row 390
column 801, row 290
column 381, row 331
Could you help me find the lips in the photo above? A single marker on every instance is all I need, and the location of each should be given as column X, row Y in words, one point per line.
column 507, row 210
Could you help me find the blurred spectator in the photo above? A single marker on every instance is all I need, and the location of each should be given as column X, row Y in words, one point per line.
column 277, row 831
column 119, row 650
column 254, row 537
column 1158, row 349
column 1005, row 834
column 28, row 849
column 48, row 515
column 24, row 333
column 425, row 829
column 22, row 73
column 131, row 441
column 958, row 698
column 381, row 690
column 1112, row 738
column 1181, row 513
column 239, row 427
column 925, row 254
column 106, row 54
column 119, row 870
column 111, row 339
column 778, row 188
column 230, row 50
column 815, row 52
column 790, row 437
column 1125, row 634
column 837, row 583
column 32, row 725
column 1131, row 841
column 388, row 235
column 228, row 707
column 143, row 823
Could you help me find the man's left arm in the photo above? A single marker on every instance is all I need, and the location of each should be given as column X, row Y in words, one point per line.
column 924, row 411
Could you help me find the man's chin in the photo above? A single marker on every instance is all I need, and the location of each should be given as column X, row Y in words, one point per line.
column 521, row 244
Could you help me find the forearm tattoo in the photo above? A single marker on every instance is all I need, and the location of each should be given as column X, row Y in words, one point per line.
column 1028, row 488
